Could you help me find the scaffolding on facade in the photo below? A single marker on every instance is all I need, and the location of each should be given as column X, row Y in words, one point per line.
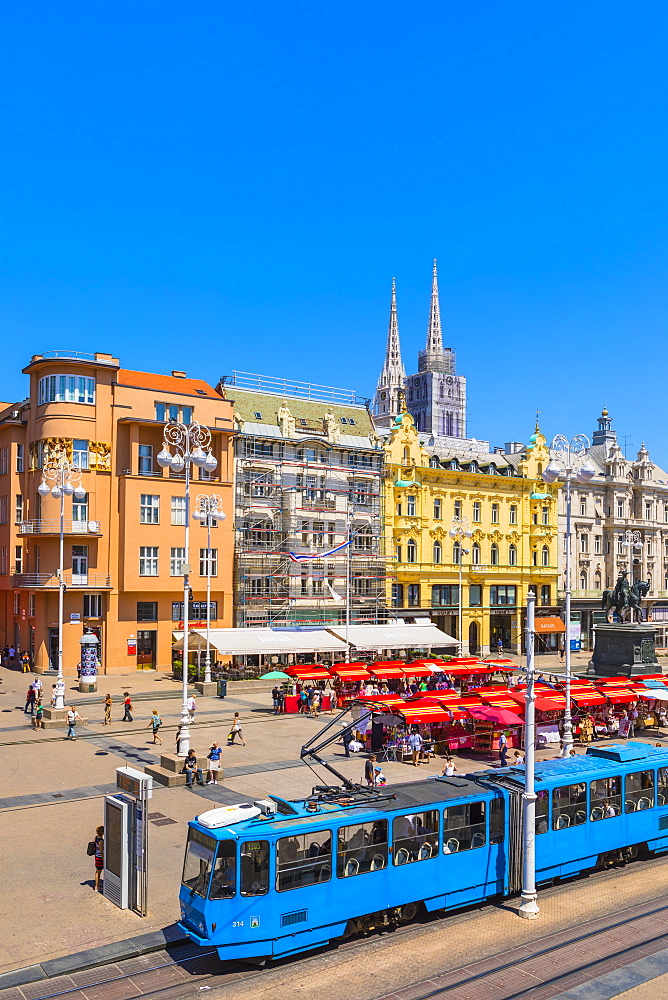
column 291, row 498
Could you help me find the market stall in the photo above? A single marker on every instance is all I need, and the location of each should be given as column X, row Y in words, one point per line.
column 347, row 679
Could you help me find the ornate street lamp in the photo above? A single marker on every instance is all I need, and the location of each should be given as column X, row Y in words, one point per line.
column 66, row 481
column 569, row 461
column 632, row 540
column 209, row 509
column 459, row 531
column 189, row 442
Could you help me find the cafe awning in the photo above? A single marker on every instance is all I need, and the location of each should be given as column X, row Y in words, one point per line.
column 253, row 641
column 484, row 713
column 393, row 636
column 311, row 672
column 427, row 713
column 350, row 672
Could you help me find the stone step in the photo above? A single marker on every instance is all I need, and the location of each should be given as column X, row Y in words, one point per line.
column 168, row 772
column 61, row 723
column 164, row 777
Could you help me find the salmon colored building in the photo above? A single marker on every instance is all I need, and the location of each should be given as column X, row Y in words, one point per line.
column 123, row 541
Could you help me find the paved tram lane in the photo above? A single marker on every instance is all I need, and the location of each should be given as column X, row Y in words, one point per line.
column 487, row 952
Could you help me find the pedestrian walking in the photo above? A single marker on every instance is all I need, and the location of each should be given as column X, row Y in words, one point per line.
column 12, row 655
column 108, row 702
column 72, row 716
column 347, row 739
column 37, row 685
column 449, row 767
column 633, row 719
column 499, row 644
column 192, row 708
column 415, row 742
column 213, row 757
column 25, row 661
column 281, row 702
column 154, row 723
column 38, row 721
column 235, row 730
column 315, row 704
column 303, row 702
column 53, row 696
column 31, row 698
column 503, row 749
column 274, row 698
column 369, row 766
column 127, row 705
column 178, row 739
column 191, row 770
column 99, row 856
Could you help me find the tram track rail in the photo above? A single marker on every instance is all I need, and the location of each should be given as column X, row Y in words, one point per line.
column 228, row 972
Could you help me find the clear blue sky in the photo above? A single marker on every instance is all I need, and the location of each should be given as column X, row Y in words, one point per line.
column 215, row 186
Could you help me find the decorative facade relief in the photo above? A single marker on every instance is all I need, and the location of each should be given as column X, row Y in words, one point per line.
column 99, row 456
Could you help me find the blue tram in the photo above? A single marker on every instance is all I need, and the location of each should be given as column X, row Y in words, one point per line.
column 276, row 878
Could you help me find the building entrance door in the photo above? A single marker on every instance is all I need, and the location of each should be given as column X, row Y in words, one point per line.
column 147, row 645
column 53, row 648
column 473, row 638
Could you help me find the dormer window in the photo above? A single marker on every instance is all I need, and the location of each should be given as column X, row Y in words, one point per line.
column 258, row 415
column 344, row 420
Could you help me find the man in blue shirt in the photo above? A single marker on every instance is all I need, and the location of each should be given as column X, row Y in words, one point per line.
column 415, row 743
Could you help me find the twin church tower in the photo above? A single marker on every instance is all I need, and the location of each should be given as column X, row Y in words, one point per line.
column 436, row 396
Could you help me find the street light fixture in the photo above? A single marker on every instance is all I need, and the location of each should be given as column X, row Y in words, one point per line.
column 188, row 442
column 209, row 509
column 459, row 531
column 570, row 461
column 632, row 540
column 66, row 481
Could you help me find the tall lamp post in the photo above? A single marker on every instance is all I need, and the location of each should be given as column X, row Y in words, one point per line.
column 529, row 905
column 209, row 509
column 569, row 461
column 632, row 540
column 459, row 531
column 66, row 481
column 189, row 442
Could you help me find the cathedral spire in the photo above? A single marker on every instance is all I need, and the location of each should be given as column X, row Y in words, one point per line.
column 393, row 368
column 434, row 333
column 393, row 375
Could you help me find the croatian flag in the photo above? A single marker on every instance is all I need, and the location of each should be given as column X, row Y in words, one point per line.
column 298, row 557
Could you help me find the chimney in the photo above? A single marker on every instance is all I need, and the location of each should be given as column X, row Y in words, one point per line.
column 178, row 374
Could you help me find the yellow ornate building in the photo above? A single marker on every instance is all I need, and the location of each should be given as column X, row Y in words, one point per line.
column 511, row 515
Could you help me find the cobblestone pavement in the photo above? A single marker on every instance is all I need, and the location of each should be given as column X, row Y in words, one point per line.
column 51, row 796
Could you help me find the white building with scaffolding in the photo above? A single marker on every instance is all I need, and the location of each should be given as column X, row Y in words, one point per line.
column 309, row 466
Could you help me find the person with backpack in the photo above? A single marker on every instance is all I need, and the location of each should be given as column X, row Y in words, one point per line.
column 155, row 723
column 127, row 704
column 31, row 698
column 96, row 848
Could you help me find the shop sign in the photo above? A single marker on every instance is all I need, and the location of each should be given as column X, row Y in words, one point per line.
column 75, row 616
column 132, row 647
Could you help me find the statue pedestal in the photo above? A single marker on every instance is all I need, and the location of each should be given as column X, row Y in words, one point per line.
column 624, row 650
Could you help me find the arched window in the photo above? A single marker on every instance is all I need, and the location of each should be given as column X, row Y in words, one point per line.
column 411, row 551
column 437, row 552
column 597, row 582
column 494, row 555
column 583, row 581
column 456, row 553
column 407, row 456
column 434, row 462
column 512, row 555
column 475, row 554
column 545, row 556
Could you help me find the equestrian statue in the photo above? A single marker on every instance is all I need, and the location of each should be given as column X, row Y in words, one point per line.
column 623, row 598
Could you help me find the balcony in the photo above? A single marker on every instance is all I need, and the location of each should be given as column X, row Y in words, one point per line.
column 49, row 581
column 52, row 527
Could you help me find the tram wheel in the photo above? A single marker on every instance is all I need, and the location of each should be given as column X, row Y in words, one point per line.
column 407, row 913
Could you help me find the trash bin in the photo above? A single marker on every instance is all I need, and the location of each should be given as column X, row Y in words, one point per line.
column 222, row 687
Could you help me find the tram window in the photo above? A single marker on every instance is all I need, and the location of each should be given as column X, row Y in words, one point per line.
column 569, row 806
column 199, row 858
column 662, row 786
column 361, row 849
column 605, row 798
column 223, row 883
column 415, row 837
column 542, row 807
column 464, row 827
column 497, row 826
column 254, row 864
column 638, row 791
column 303, row 859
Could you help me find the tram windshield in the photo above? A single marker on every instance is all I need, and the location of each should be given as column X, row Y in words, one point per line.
column 200, row 850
